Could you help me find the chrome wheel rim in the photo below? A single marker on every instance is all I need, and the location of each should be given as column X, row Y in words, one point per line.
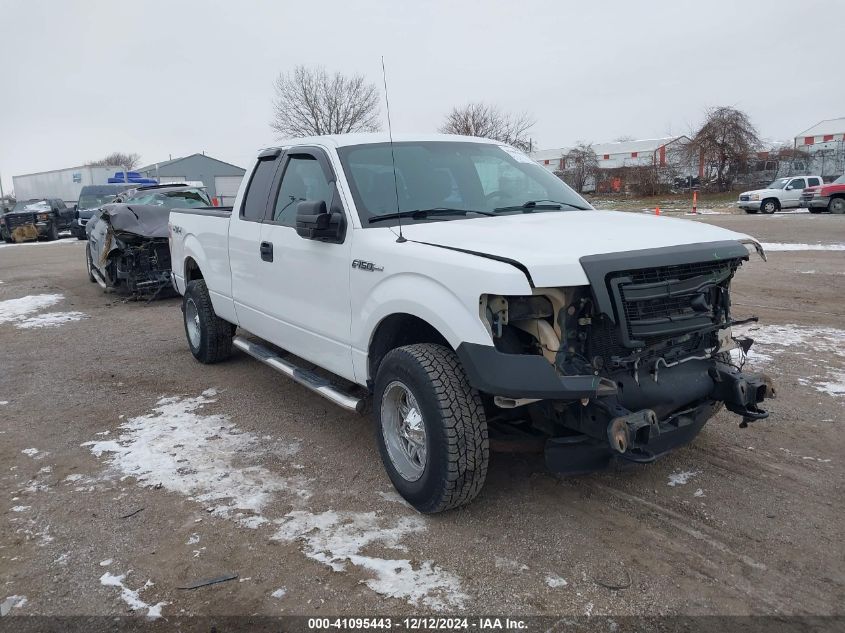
column 192, row 323
column 769, row 207
column 403, row 430
column 837, row 206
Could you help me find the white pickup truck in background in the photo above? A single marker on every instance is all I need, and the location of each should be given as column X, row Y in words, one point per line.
column 783, row 193
column 466, row 292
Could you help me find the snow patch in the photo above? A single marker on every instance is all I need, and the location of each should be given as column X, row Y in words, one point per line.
column 20, row 312
column 12, row 602
column 132, row 597
column 194, row 455
column 785, row 246
column 681, row 478
column 698, row 493
column 21, row 508
column 30, row 452
column 338, row 538
column 106, row 563
column 555, row 582
column 2, row 402
column 279, row 593
column 51, row 319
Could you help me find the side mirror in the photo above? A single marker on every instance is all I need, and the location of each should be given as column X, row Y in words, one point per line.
column 314, row 222
column 789, row 187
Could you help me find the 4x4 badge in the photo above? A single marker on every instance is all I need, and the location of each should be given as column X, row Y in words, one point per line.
column 362, row 265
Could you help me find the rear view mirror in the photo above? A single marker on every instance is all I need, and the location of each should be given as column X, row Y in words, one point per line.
column 314, row 222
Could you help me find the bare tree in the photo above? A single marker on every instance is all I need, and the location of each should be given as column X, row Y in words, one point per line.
column 487, row 121
column 310, row 102
column 582, row 165
column 121, row 159
column 724, row 144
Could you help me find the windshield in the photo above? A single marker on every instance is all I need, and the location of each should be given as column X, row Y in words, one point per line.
column 780, row 183
column 94, row 200
column 171, row 199
column 460, row 176
column 31, row 205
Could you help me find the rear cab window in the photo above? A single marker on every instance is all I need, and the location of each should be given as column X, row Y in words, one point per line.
column 258, row 191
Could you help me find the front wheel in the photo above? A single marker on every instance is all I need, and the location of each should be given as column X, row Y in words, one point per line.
column 209, row 336
column 836, row 205
column 430, row 427
column 769, row 206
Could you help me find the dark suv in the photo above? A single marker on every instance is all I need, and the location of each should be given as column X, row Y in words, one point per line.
column 34, row 219
column 91, row 198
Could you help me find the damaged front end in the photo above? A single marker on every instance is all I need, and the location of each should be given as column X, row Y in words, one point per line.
column 134, row 249
column 632, row 365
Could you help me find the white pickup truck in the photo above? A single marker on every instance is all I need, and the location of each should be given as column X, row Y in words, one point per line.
column 468, row 295
column 783, row 193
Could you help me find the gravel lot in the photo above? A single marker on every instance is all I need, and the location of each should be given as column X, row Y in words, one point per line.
column 231, row 469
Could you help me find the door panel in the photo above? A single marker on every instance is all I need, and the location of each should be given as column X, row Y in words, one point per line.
column 791, row 197
column 248, row 270
column 306, row 285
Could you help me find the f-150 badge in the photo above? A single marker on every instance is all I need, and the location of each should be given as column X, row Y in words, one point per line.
column 370, row 266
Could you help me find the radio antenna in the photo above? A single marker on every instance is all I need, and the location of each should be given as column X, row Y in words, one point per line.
column 392, row 155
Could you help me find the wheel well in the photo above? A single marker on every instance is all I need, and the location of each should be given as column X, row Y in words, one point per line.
column 775, row 200
column 397, row 330
column 192, row 270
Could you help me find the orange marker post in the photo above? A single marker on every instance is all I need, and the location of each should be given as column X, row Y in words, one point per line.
column 656, row 210
column 694, row 202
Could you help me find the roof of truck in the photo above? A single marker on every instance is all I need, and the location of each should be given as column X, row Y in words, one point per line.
column 343, row 140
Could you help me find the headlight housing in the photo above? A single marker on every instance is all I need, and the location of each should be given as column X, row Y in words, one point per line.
column 43, row 216
column 753, row 246
column 754, row 196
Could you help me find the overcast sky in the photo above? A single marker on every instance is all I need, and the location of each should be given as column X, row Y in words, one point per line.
column 81, row 78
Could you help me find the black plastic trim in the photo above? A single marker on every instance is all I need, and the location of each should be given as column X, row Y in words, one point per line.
column 217, row 212
column 525, row 376
column 598, row 267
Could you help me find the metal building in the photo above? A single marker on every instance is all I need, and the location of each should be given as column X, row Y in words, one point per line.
column 657, row 152
column 220, row 178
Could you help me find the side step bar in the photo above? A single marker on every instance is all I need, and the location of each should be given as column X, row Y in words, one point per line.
column 315, row 383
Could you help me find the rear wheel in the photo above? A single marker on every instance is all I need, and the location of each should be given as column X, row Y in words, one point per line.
column 430, row 427
column 209, row 336
column 769, row 206
column 836, row 205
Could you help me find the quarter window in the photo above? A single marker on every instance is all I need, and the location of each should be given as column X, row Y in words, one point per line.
column 813, row 182
column 303, row 180
column 255, row 203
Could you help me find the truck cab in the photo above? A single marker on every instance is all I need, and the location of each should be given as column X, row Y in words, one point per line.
column 456, row 288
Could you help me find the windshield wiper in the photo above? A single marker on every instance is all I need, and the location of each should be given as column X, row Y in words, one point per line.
column 419, row 214
column 535, row 205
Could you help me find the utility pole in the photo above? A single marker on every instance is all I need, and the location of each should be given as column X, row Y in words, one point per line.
column 2, row 195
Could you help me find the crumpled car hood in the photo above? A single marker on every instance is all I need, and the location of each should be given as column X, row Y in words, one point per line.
column 138, row 219
column 550, row 245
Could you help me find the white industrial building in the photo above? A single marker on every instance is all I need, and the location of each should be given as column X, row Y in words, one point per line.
column 824, row 143
column 655, row 152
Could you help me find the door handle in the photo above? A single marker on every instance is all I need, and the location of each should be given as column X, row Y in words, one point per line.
column 267, row 251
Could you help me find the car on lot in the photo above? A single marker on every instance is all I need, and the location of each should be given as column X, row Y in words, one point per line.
column 783, row 193
column 92, row 197
column 825, row 197
column 127, row 248
column 462, row 292
column 39, row 218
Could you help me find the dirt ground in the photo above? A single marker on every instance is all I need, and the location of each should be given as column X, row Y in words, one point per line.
column 129, row 470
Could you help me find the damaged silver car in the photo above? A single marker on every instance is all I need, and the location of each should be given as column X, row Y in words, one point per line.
column 128, row 249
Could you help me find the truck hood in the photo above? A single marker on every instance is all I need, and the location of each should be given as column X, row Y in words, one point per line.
column 549, row 245
column 763, row 192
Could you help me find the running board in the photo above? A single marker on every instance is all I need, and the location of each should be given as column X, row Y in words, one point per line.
column 309, row 379
column 99, row 278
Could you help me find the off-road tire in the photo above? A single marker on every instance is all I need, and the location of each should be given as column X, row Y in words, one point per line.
column 89, row 264
column 216, row 334
column 53, row 233
column 836, row 205
column 769, row 203
column 457, row 446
